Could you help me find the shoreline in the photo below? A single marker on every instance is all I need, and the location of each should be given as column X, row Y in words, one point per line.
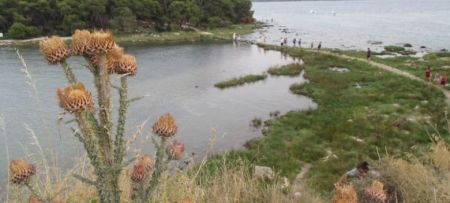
column 209, row 35
column 339, row 129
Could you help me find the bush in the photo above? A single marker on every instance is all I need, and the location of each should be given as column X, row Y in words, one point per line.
column 392, row 48
column 21, row 31
column 214, row 22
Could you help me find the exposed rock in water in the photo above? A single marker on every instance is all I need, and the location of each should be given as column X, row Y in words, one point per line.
column 407, row 45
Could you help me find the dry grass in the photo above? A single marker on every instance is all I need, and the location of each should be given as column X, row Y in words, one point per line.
column 230, row 184
column 417, row 180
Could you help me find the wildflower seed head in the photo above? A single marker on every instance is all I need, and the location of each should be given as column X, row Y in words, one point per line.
column 142, row 168
column 126, row 65
column 81, row 41
column 345, row 194
column 54, row 49
column 165, row 126
column 101, row 42
column 113, row 57
column 175, row 150
column 21, row 171
column 33, row 199
column 75, row 98
column 376, row 192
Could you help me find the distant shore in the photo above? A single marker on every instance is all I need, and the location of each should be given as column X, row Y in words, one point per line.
column 217, row 34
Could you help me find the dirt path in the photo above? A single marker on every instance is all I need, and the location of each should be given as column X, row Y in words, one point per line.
column 393, row 70
column 298, row 186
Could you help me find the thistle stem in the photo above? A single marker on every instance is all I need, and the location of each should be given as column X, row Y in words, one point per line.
column 160, row 166
column 35, row 192
column 119, row 142
column 104, row 102
column 68, row 71
column 90, row 140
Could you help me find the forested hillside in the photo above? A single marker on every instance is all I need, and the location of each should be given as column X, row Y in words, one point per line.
column 30, row 18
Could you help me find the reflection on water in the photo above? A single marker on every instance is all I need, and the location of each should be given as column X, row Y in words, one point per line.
column 178, row 79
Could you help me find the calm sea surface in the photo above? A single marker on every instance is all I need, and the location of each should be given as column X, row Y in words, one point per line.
column 175, row 78
column 351, row 24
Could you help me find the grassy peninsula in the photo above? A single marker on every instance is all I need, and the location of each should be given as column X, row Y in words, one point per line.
column 240, row 81
column 362, row 114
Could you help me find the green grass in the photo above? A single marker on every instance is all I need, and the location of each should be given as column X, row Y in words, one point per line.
column 293, row 69
column 388, row 113
column 392, row 48
column 240, row 81
column 298, row 88
column 208, row 35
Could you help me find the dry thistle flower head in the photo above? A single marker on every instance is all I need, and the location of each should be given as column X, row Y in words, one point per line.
column 75, row 98
column 142, row 168
column 21, row 171
column 113, row 58
column 175, row 150
column 126, row 65
column 54, row 49
column 165, row 126
column 101, row 42
column 376, row 192
column 33, row 199
column 81, row 40
column 345, row 194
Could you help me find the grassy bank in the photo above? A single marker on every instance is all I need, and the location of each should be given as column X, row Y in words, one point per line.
column 360, row 113
column 293, row 69
column 240, row 81
column 208, row 35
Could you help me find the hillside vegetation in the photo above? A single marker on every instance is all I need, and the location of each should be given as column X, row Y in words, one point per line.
column 30, row 18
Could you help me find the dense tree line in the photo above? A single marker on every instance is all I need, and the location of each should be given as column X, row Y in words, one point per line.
column 30, row 18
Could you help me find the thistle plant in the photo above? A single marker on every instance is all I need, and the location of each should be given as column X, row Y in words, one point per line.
column 146, row 182
column 104, row 145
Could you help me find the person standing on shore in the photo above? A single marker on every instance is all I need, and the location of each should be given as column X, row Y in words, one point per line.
column 294, row 41
column 443, row 79
column 282, row 42
column 320, row 46
column 369, row 54
column 299, row 42
column 312, row 45
column 428, row 73
column 286, row 41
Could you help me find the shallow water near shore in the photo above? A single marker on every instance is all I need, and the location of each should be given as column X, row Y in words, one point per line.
column 352, row 24
column 175, row 78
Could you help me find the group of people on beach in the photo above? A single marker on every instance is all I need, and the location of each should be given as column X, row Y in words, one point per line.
column 295, row 42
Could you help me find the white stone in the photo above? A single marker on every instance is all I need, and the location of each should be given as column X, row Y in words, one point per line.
column 264, row 172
